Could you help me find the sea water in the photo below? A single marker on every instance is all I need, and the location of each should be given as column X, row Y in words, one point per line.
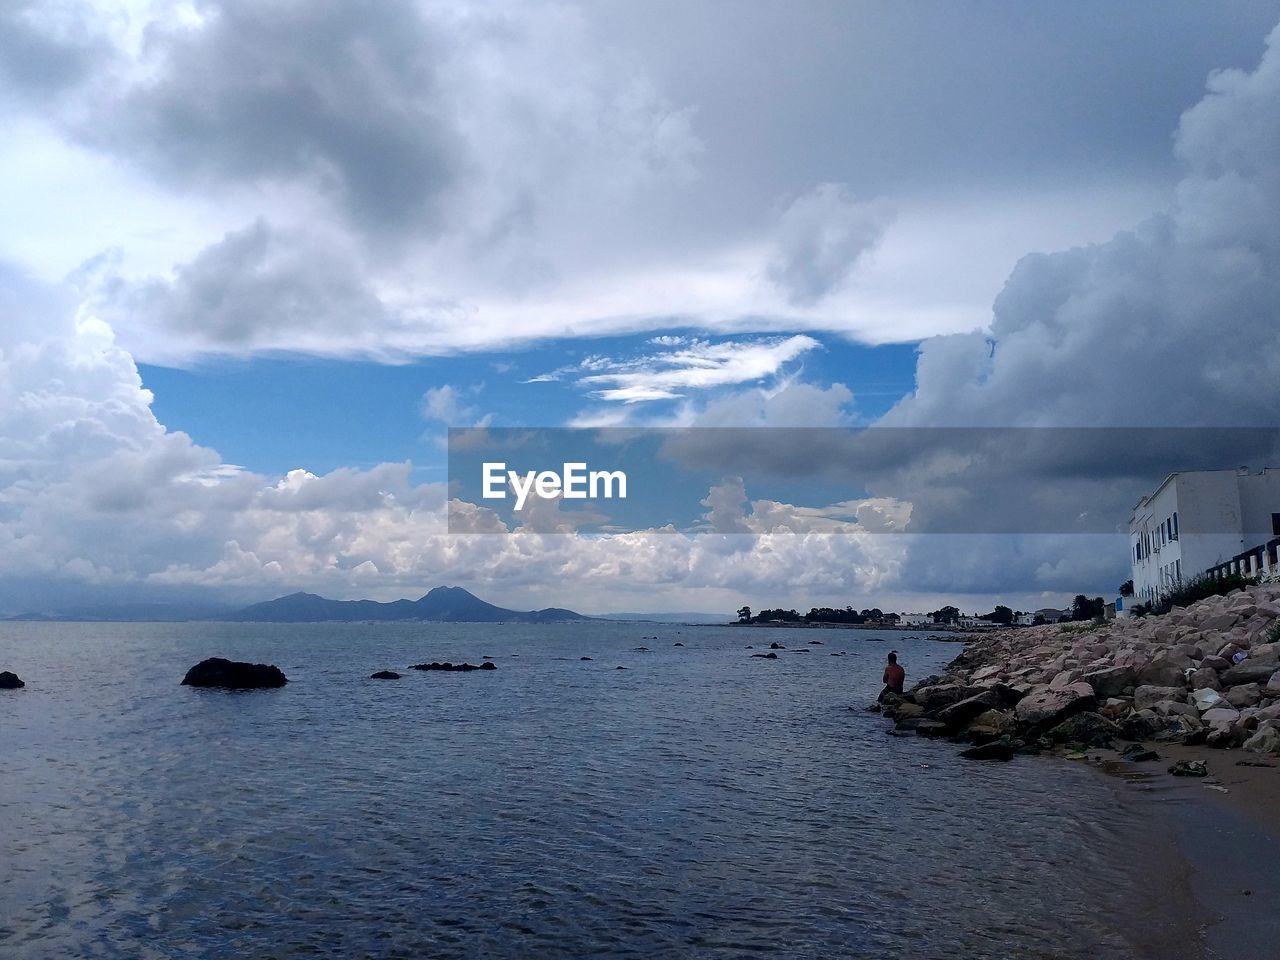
column 699, row 803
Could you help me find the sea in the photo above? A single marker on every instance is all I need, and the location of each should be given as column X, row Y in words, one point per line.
column 698, row 802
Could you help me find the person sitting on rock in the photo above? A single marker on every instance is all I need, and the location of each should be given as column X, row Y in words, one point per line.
column 894, row 677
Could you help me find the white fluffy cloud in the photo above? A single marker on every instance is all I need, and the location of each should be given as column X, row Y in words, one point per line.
column 1171, row 323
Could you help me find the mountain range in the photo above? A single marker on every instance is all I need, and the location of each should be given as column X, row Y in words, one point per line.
column 442, row 604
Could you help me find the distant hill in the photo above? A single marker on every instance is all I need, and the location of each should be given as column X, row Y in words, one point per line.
column 441, row 605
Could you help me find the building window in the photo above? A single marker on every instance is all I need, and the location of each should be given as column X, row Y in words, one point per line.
column 1275, row 524
column 1175, row 524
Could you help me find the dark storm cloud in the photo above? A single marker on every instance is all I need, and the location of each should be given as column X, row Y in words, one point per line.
column 343, row 96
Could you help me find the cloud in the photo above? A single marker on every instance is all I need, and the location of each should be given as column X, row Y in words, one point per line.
column 700, row 365
column 46, row 49
column 445, row 404
column 1170, row 323
column 821, row 237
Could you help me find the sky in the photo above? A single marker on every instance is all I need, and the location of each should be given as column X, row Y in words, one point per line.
column 257, row 257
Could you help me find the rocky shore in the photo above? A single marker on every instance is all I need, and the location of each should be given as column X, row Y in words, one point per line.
column 1204, row 675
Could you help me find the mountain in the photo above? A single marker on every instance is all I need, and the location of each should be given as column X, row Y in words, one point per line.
column 443, row 604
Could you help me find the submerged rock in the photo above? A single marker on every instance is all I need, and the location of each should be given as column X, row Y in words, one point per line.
column 776, row 646
column 1001, row 750
column 234, row 675
column 1190, row 768
column 455, row 667
column 10, row 681
column 384, row 675
column 765, row 656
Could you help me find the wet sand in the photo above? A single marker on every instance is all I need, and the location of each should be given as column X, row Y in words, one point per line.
column 1213, row 855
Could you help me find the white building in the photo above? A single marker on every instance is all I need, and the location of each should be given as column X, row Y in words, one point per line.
column 916, row 620
column 1199, row 519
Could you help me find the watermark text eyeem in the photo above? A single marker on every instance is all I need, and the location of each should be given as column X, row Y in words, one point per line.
column 574, row 482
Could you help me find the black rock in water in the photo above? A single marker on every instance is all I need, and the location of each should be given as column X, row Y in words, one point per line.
column 1000, row 750
column 234, row 675
column 776, row 646
column 456, row 667
column 765, row 656
column 10, row 681
column 584, row 658
column 384, row 675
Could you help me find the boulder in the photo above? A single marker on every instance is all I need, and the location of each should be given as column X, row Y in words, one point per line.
column 1206, row 698
column 765, row 656
column 1256, row 668
column 907, row 710
column 936, row 697
column 1215, row 663
column 1219, row 622
column 384, row 675
column 931, row 728
column 1272, row 688
column 1088, row 729
column 958, row 714
column 234, row 675
column 776, row 646
column 10, row 681
column 1110, row 681
column 1218, row 716
column 1245, row 695
column 1047, row 707
column 1161, row 673
column 1266, row 740
column 1000, row 750
column 455, row 667
column 1146, row 696
column 1204, row 679
column 1190, row 768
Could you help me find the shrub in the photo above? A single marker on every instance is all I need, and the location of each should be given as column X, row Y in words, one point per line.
column 1198, row 588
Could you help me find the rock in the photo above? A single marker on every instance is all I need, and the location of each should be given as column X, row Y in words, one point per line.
column 1137, row 753
column 907, row 710
column 1217, row 716
column 677, row 644
column 1206, row 698
column 1219, row 622
column 234, row 675
column 1204, row 679
column 1190, row 768
column 619, row 668
column 765, row 656
column 1215, row 663
column 816, row 643
column 1266, row 740
column 1000, row 750
column 1047, row 707
column 1161, row 673
column 1110, row 681
column 1256, row 668
column 1245, row 695
column 1146, row 696
column 584, row 658
column 1272, row 688
column 384, row 675
column 958, row 714
column 10, row 681
column 455, row 667
column 1088, row 729
column 931, row 728
column 1179, row 729
column 934, row 698
column 776, row 646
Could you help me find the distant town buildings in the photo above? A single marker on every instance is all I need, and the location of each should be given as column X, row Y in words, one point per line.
column 1204, row 520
